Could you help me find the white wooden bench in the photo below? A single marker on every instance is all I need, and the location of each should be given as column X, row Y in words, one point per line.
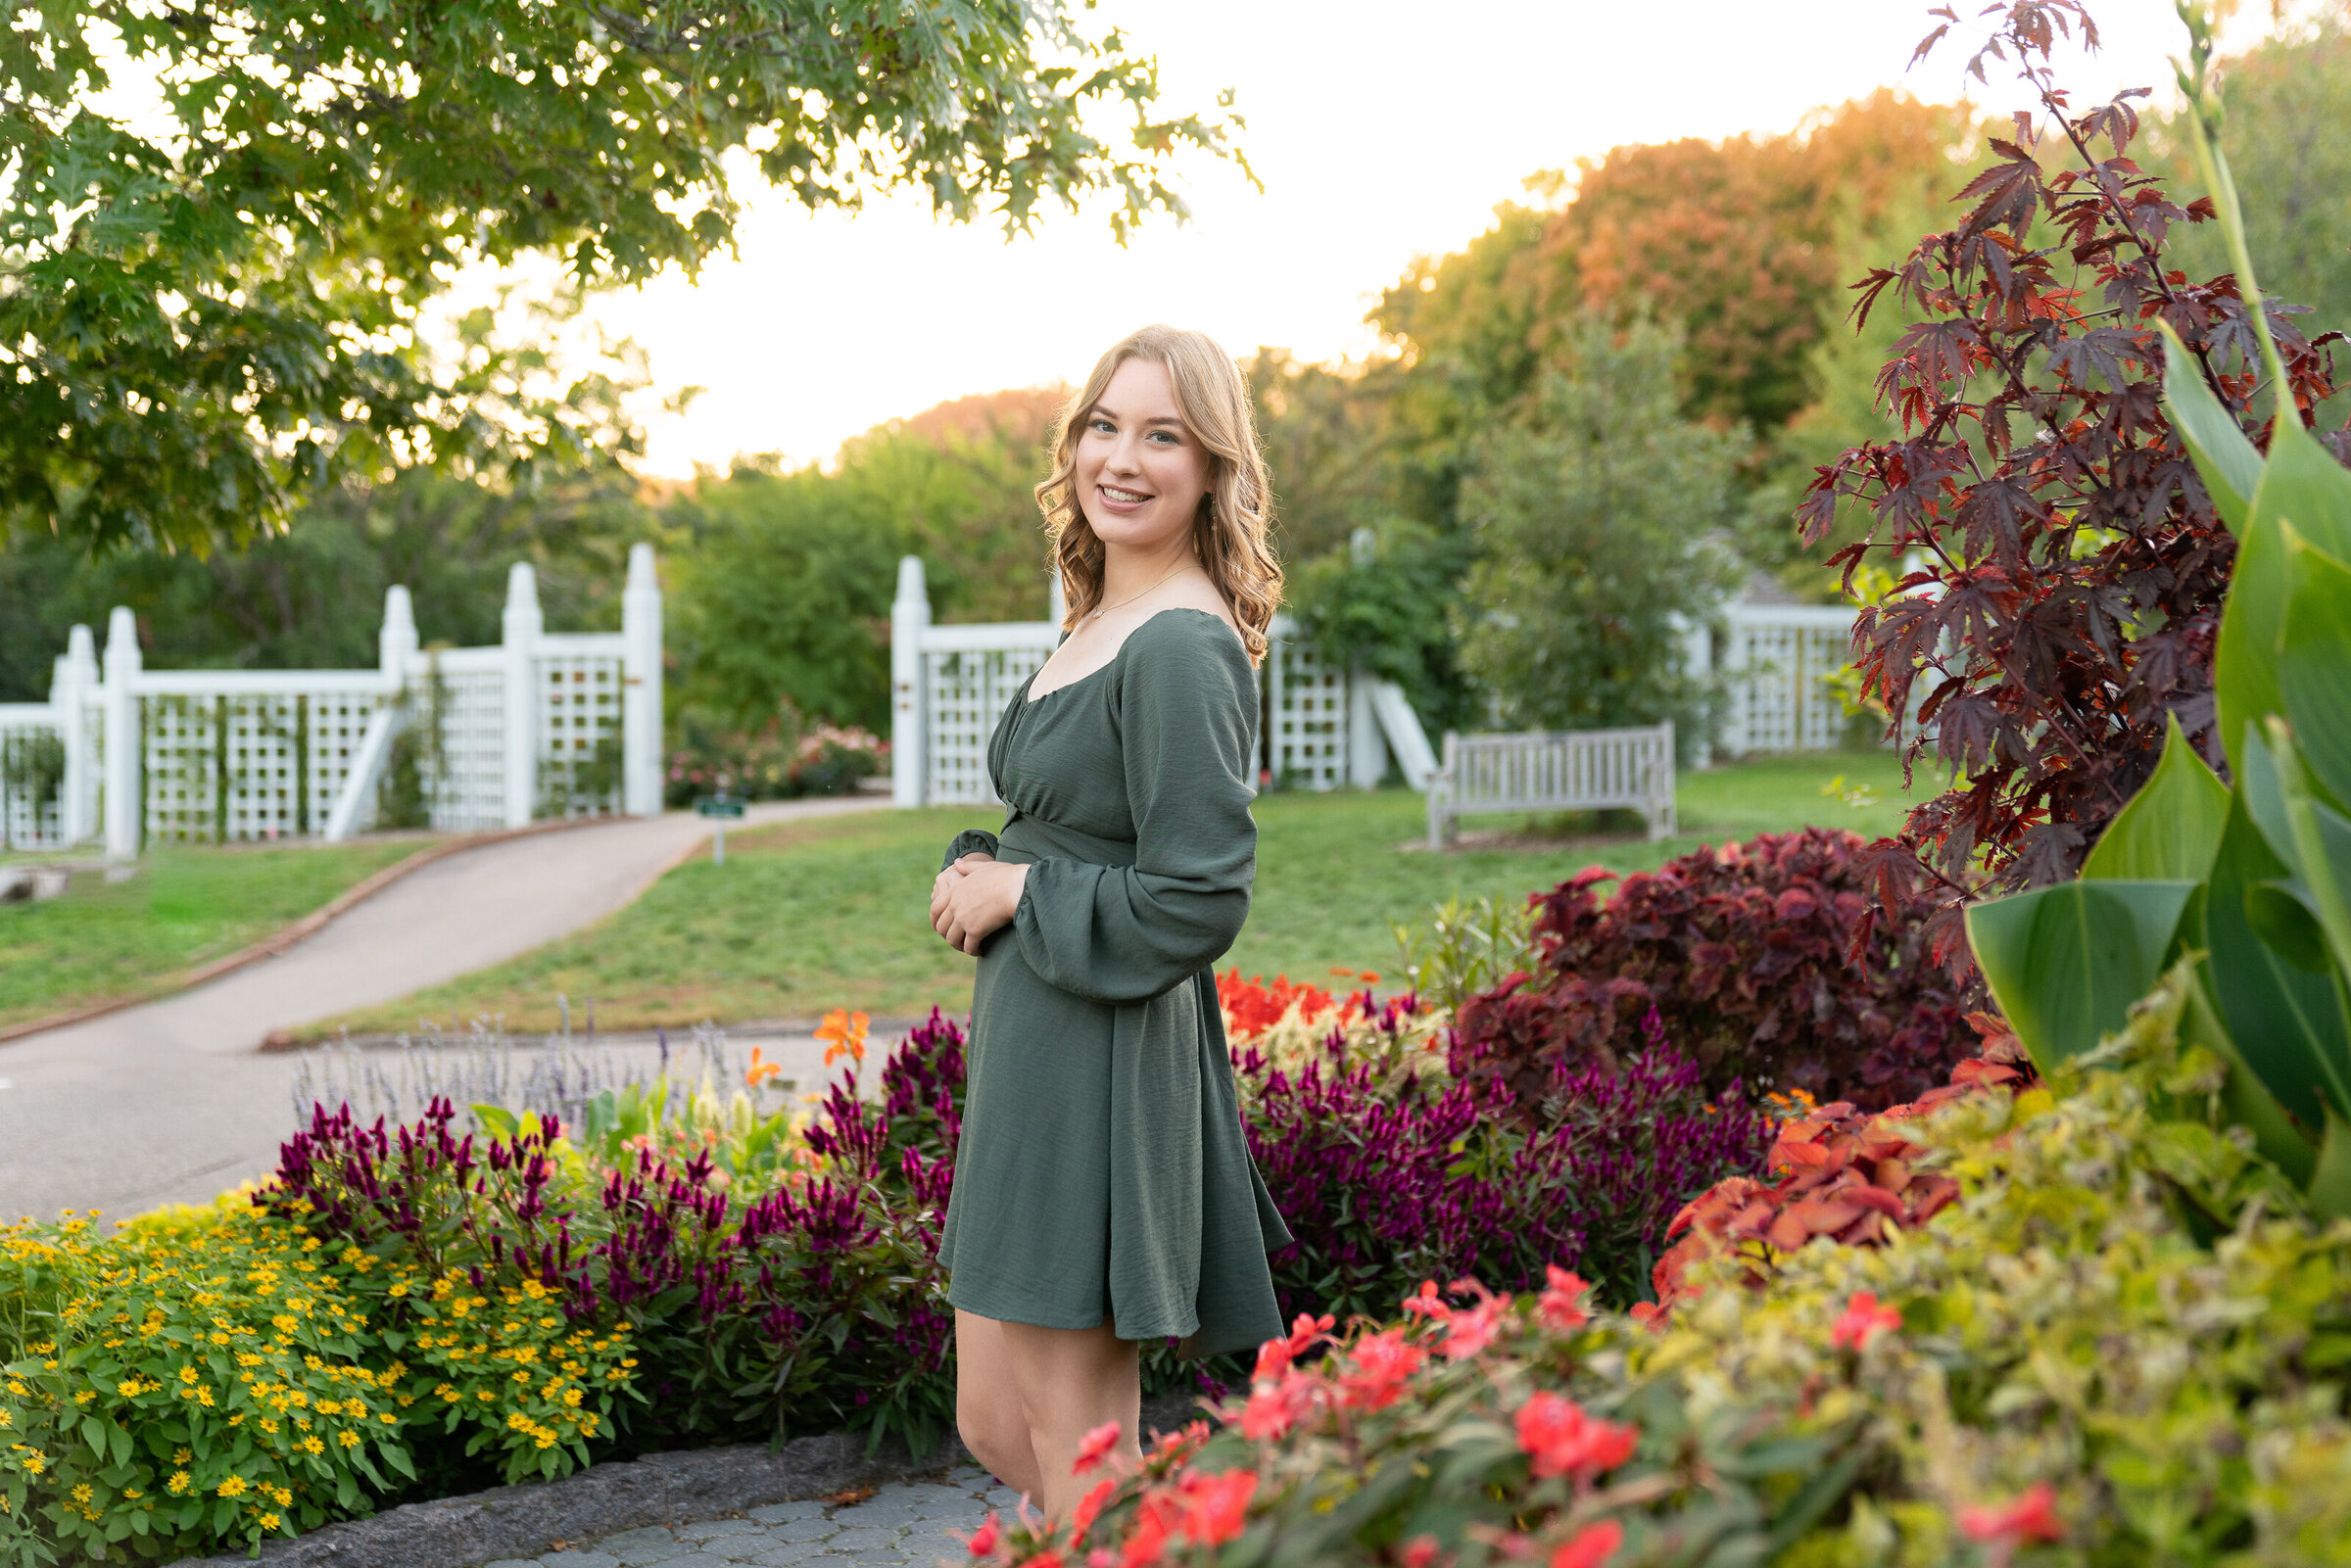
column 1555, row 770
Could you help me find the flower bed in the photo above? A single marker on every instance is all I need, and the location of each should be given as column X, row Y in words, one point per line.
column 419, row 1310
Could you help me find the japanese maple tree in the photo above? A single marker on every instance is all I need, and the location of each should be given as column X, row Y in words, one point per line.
column 2057, row 570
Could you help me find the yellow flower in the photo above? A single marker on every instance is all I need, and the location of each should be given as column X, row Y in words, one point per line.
column 269, row 1521
column 188, row 1374
column 177, row 1484
column 349, row 1440
column 312, row 1445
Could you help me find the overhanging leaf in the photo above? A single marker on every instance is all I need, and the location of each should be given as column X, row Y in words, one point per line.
column 2066, row 963
column 2302, row 484
column 2287, row 1025
column 2314, row 661
column 2329, row 1184
column 2248, row 1100
column 2171, row 828
column 2225, row 459
column 2281, row 914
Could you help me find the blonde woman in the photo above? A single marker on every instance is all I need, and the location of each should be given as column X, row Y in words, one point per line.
column 1104, row 1195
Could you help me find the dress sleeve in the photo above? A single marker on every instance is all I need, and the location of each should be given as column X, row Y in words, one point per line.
column 1187, row 714
column 972, row 841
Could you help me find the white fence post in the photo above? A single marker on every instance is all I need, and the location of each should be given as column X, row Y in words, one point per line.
column 909, row 619
column 395, row 642
column 76, row 681
column 640, row 714
column 521, row 628
column 123, row 738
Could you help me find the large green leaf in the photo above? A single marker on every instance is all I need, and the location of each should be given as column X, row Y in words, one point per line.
column 2225, row 459
column 2288, row 1025
column 2248, row 1100
column 2066, row 963
column 2170, row 828
column 2329, row 1184
column 2314, row 661
column 2304, row 486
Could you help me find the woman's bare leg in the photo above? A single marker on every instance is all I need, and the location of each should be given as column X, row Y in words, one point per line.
column 988, row 1411
column 1071, row 1381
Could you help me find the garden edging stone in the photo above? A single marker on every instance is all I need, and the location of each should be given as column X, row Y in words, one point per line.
column 522, row 1521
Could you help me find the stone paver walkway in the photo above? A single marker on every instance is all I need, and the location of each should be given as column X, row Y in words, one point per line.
column 171, row 1102
column 912, row 1524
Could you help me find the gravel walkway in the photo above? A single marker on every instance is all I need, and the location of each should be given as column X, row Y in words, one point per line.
column 914, row 1524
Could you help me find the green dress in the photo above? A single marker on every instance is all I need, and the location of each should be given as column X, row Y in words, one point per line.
column 1102, row 1172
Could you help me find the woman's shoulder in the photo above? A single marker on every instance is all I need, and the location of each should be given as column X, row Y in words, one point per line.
column 1185, row 627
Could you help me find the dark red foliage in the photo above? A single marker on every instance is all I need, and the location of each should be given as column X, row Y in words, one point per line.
column 2060, row 569
column 1772, row 964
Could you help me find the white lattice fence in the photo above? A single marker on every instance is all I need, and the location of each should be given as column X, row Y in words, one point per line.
column 950, row 685
column 1307, row 712
column 31, row 806
column 540, row 725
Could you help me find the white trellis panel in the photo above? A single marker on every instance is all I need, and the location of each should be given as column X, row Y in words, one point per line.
column 579, row 707
column 1306, row 715
column 263, row 781
column 966, row 689
column 467, row 791
column 180, row 762
column 1779, row 663
column 24, row 822
column 337, row 722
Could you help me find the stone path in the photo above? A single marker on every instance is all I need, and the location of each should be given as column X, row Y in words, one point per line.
column 171, row 1102
column 905, row 1525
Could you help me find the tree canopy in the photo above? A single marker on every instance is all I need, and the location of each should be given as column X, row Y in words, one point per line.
column 212, row 308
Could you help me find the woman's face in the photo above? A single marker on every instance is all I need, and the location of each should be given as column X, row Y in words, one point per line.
column 1140, row 473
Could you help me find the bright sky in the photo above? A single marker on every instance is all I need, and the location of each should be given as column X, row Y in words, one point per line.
column 1381, row 130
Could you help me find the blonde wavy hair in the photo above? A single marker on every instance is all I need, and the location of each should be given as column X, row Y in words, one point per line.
column 1230, row 533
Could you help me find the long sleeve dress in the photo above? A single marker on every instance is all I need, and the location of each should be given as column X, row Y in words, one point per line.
column 1102, row 1173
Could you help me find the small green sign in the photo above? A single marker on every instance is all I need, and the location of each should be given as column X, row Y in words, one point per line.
column 718, row 806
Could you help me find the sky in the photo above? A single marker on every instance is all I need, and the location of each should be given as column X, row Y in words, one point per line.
column 1381, row 130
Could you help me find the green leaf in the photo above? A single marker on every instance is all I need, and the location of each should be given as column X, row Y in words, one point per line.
column 496, row 1121
column 2248, row 1100
column 2226, row 463
column 2314, row 661
column 2302, row 484
column 2281, row 911
column 2288, row 1025
column 2170, row 828
column 2066, row 963
column 2329, row 1186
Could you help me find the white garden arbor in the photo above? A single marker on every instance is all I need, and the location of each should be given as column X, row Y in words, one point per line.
column 544, row 724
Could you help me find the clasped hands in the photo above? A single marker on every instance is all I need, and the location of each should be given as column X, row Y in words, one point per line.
column 974, row 897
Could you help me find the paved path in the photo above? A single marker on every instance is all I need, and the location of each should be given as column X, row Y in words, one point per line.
column 906, row 1525
column 171, row 1102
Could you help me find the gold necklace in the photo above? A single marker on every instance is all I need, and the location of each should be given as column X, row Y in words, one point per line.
column 1102, row 609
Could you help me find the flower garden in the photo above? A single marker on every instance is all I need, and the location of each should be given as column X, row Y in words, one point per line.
column 1750, row 1209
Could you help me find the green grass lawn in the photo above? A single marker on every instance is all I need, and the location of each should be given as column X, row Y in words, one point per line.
column 810, row 915
column 184, row 909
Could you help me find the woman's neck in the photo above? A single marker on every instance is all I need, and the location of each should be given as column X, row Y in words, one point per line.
column 1129, row 571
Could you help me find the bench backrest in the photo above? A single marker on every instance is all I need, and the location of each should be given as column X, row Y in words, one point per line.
column 1568, row 770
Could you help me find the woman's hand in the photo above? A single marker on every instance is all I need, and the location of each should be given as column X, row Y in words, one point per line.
column 973, row 898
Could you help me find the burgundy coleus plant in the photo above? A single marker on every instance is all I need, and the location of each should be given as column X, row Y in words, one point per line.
column 2059, row 569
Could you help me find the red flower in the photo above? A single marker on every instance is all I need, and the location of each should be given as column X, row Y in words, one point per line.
column 1050, row 1557
column 1563, row 1439
column 1095, row 1446
column 1147, row 1542
column 1275, row 1408
column 1863, row 1321
column 1379, row 1366
column 2030, row 1517
column 1082, row 1517
column 985, row 1539
column 1593, row 1546
column 1420, row 1551
column 1562, row 1303
column 1217, row 1507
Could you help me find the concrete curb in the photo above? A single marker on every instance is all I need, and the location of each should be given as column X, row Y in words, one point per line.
column 278, row 941
column 522, row 1521
column 660, row 1488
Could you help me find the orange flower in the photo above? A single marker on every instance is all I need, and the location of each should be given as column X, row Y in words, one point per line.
column 843, row 1034
column 761, row 1069
column 1593, row 1546
column 1095, row 1448
column 1562, row 1301
column 2030, row 1517
column 1082, row 1517
column 1563, row 1439
column 1863, row 1321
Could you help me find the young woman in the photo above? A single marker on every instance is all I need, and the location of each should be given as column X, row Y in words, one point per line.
column 1104, row 1193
